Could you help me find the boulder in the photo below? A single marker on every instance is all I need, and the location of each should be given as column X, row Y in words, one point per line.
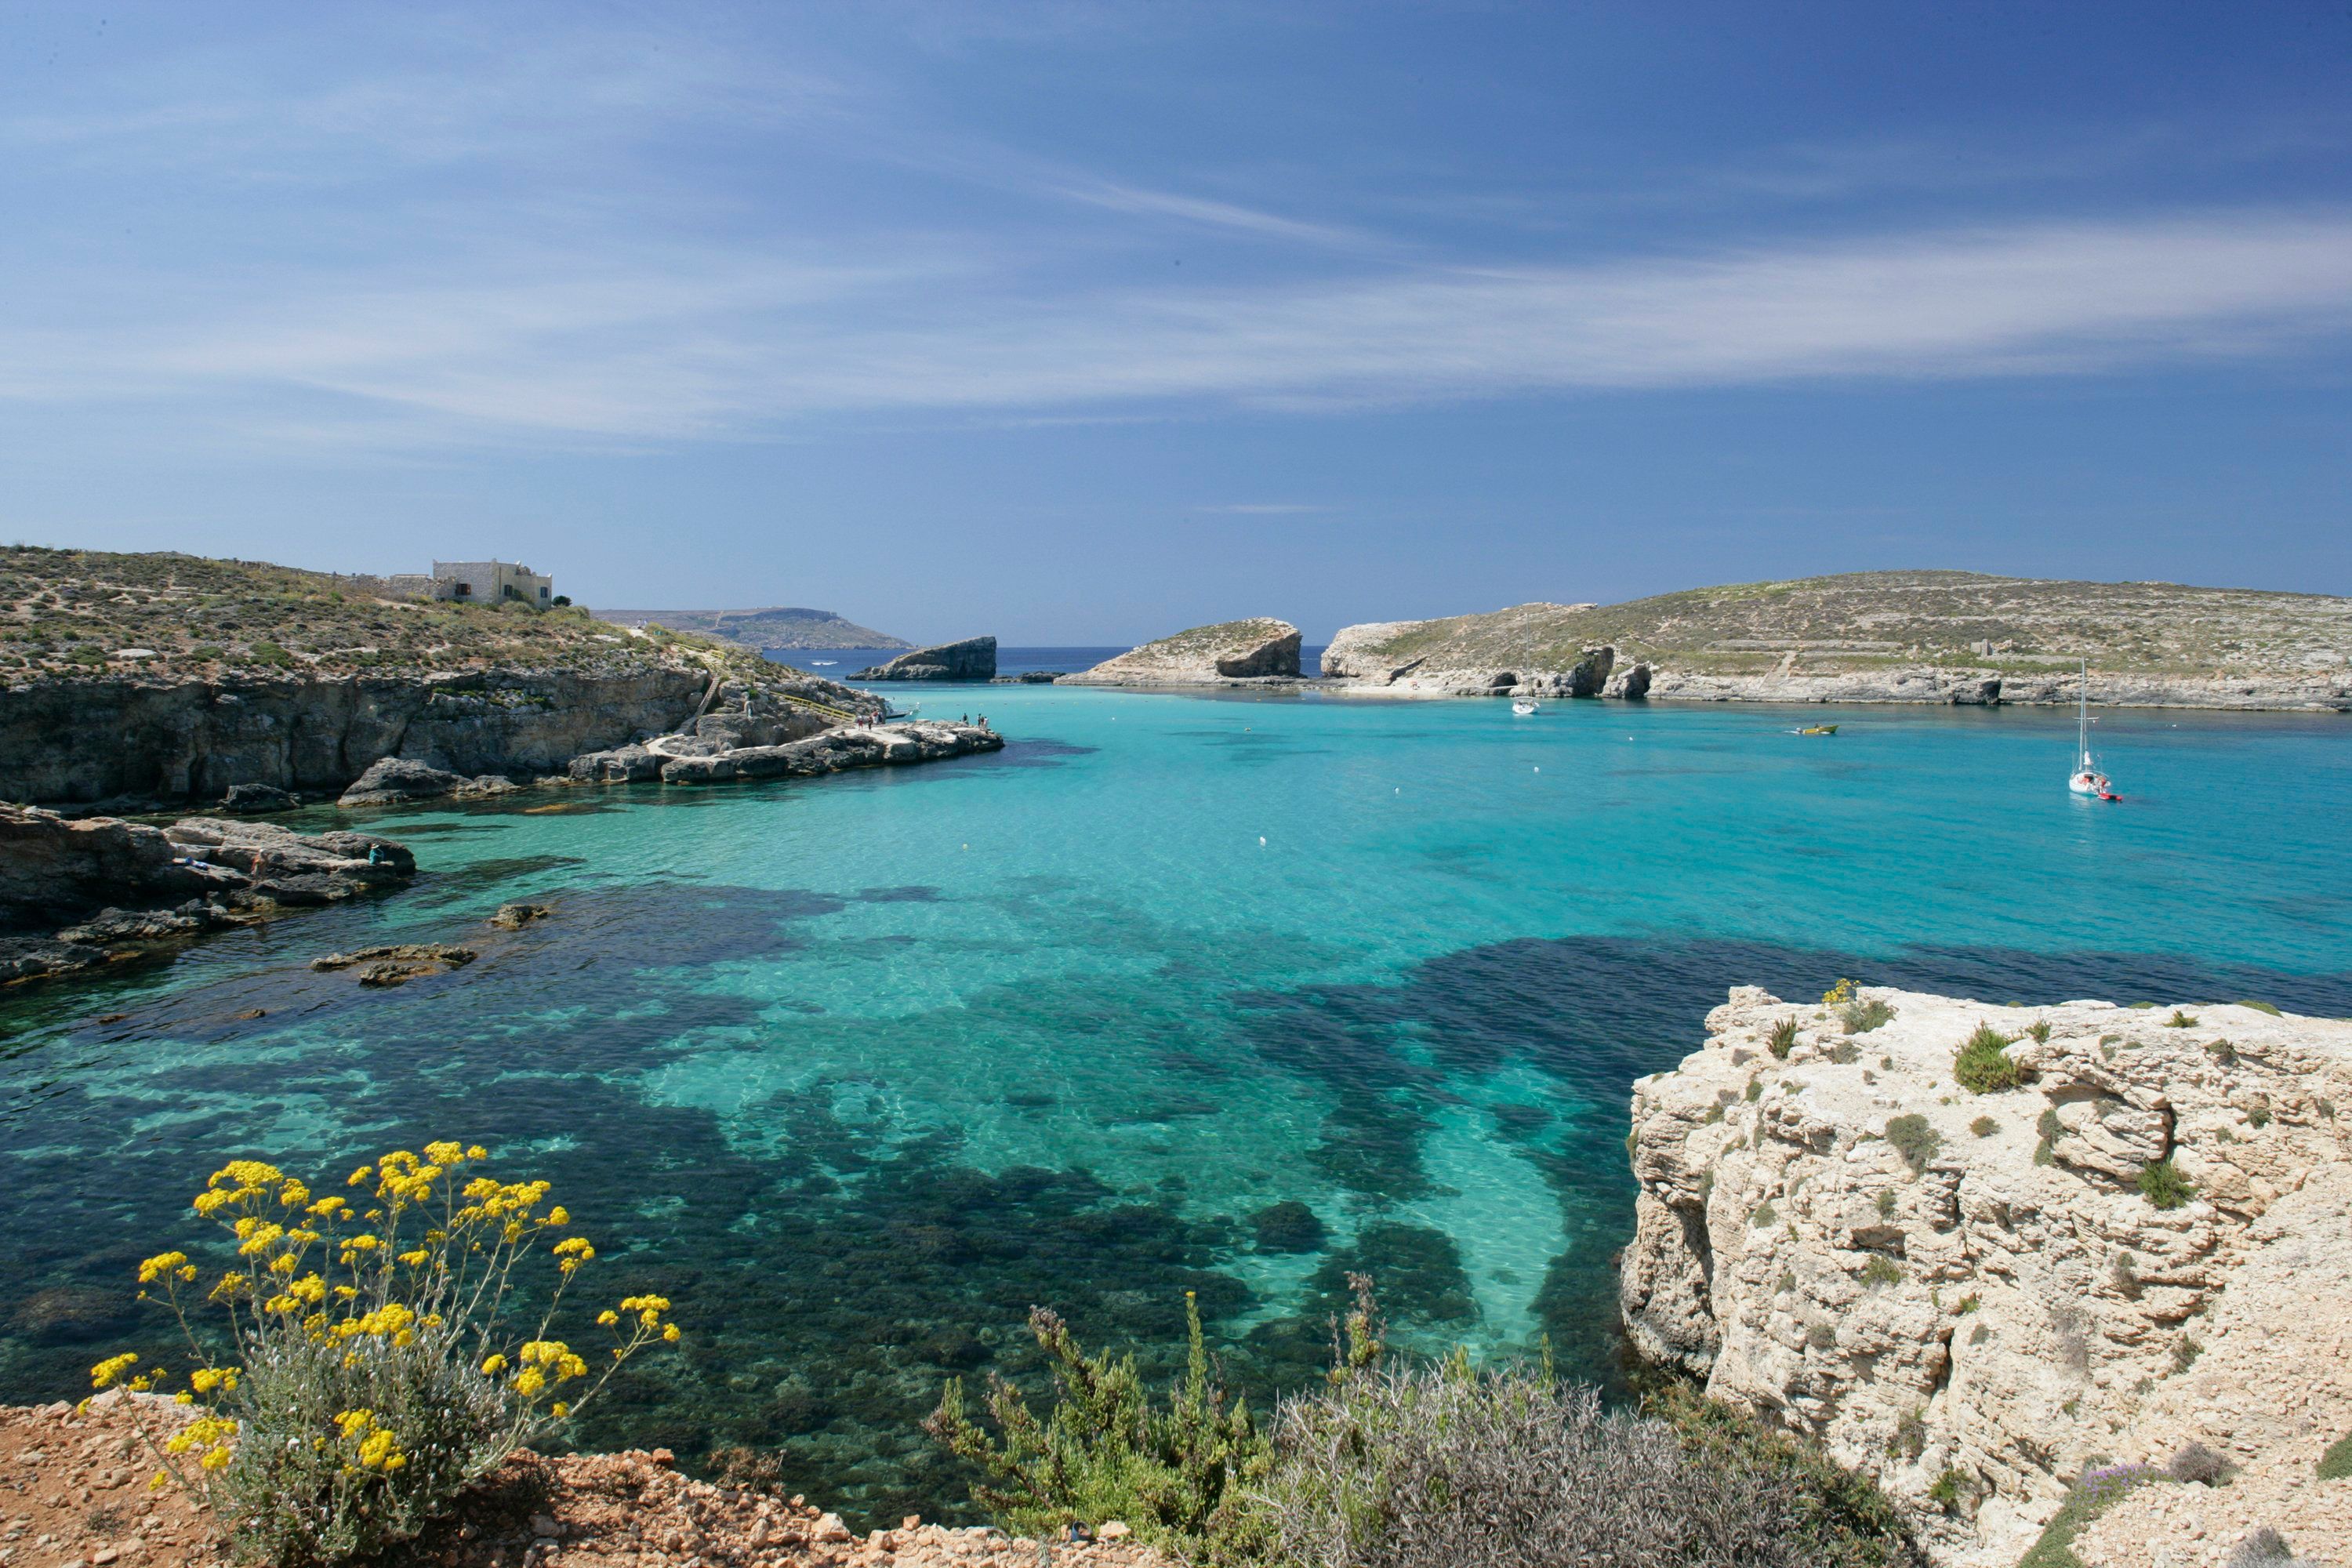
column 973, row 658
column 248, row 798
column 1633, row 682
column 1258, row 649
column 392, row 780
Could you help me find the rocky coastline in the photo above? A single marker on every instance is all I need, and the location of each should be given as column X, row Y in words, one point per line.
column 2132, row 1241
column 76, row 895
column 973, row 658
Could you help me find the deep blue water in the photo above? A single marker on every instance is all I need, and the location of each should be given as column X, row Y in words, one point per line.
column 859, row 1068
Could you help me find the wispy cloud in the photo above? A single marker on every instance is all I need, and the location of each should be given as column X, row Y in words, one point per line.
column 665, row 346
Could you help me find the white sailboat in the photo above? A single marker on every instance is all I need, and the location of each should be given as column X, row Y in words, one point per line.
column 2086, row 778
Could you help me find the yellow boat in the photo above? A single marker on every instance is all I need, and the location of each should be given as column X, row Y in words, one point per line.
column 1818, row 729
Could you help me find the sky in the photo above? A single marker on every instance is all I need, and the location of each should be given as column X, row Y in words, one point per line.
column 1080, row 321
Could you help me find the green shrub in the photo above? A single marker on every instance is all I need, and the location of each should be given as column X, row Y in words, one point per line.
column 1845, row 1053
column 2094, row 1492
column 1945, row 1491
column 353, row 1413
column 1755, row 1089
column 1881, row 1271
column 1887, row 1203
column 268, row 653
column 2269, row 1007
column 2336, row 1465
column 1911, row 1434
column 1966, row 1304
column 2164, row 1186
column 85, row 655
column 1861, row 1018
column 207, row 652
column 1915, row 1139
column 2223, row 1053
column 2040, row 1030
column 2179, row 1020
column 1782, row 1039
column 1176, row 1475
column 1982, row 1064
column 1984, row 1127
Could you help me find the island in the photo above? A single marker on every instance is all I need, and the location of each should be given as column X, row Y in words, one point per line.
column 1256, row 651
column 776, row 627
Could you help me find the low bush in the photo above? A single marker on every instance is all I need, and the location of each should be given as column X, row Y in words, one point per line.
column 1881, row 1271
column 2095, row 1492
column 1984, row 1127
column 2164, row 1187
column 2179, row 1020
column 1983, row 1063
column 2270, row 1008
column 373, row 1372
column 1782, row 1039
column 2197, row 1464
column 2264, row 1548
column 1915, row 1139
column 1445, row 1465
column 1176, row 1475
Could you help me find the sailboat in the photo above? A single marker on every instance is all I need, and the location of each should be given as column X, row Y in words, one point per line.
column 2087, row 779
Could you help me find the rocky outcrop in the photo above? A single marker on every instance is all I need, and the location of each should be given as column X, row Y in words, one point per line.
column 973, row 658
column 1507, row 654
column 697, row 759
column 394, row 781
column 1251, row 650
column 145, row 884
column 124, row 740
column 1970, row 1296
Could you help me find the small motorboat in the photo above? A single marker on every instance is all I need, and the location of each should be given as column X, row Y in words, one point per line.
column 1816, row 730
column 1526, row 706
column 2086, row 779
column 823, row 663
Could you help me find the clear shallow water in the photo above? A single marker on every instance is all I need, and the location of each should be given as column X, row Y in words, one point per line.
column 860, row 1069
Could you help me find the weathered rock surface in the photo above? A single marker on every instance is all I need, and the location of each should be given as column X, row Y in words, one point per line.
column 1230, row 651
column 694, row 760
column 393, row 780
column 973, row 658
column 1507, row 654
column 1998, row 1299
column 147, row 884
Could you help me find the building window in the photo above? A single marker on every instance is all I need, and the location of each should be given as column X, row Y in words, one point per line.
column 465, row 590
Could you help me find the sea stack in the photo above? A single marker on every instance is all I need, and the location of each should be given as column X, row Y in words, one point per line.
column 1258, row 649
column 973, row 658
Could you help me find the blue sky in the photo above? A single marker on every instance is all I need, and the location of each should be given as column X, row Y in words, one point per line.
column 1086, row 321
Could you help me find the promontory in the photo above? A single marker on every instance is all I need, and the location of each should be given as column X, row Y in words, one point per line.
column 1882, row 637
column 1249, row 651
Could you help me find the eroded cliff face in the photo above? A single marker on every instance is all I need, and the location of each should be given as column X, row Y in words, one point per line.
column 1937, row 1282
column 1251, row 650
column 134, row 741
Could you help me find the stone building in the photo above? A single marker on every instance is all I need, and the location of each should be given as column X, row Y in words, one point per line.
column 490, row 582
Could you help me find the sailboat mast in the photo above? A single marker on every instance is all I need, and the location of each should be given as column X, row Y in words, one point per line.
column 2082, row 715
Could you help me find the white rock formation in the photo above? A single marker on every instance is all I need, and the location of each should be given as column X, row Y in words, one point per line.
column 1985, row 1290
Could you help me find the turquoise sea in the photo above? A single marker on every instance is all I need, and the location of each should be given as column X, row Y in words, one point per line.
column 1233, row 993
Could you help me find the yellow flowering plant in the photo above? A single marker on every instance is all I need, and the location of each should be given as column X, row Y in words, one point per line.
column 371, row 1370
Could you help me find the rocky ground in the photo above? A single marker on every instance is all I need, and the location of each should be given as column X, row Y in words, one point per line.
column 1887, row 637
column 74, row 1494
column 1249, row 651
column 2136, row 1237
column 77, row 894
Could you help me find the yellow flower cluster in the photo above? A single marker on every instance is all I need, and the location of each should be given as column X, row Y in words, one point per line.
column 378, row 1448
column 422, row 1251
column 1838, row 996
column 208, row 1436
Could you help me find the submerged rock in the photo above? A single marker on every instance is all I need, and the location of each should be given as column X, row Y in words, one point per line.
column 973, row 658
column 257, row 797
column 127, row 883
column 514, row 917
column 2001, row 1287
column 435, row 953
column 1259, row 649
column 696, row 761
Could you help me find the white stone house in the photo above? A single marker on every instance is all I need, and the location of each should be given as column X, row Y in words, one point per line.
column 491, row 582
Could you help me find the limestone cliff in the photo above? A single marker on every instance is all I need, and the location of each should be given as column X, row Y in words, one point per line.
column 1472, row 656
column 1970, row 1296
column 1257, row 649
column 973, row 658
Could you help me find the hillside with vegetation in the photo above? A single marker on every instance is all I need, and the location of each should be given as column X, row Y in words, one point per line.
column 88, row 615
column 780, row 626
column 2022, row 636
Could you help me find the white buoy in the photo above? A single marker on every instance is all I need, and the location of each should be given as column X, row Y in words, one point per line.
column 1261, row 840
